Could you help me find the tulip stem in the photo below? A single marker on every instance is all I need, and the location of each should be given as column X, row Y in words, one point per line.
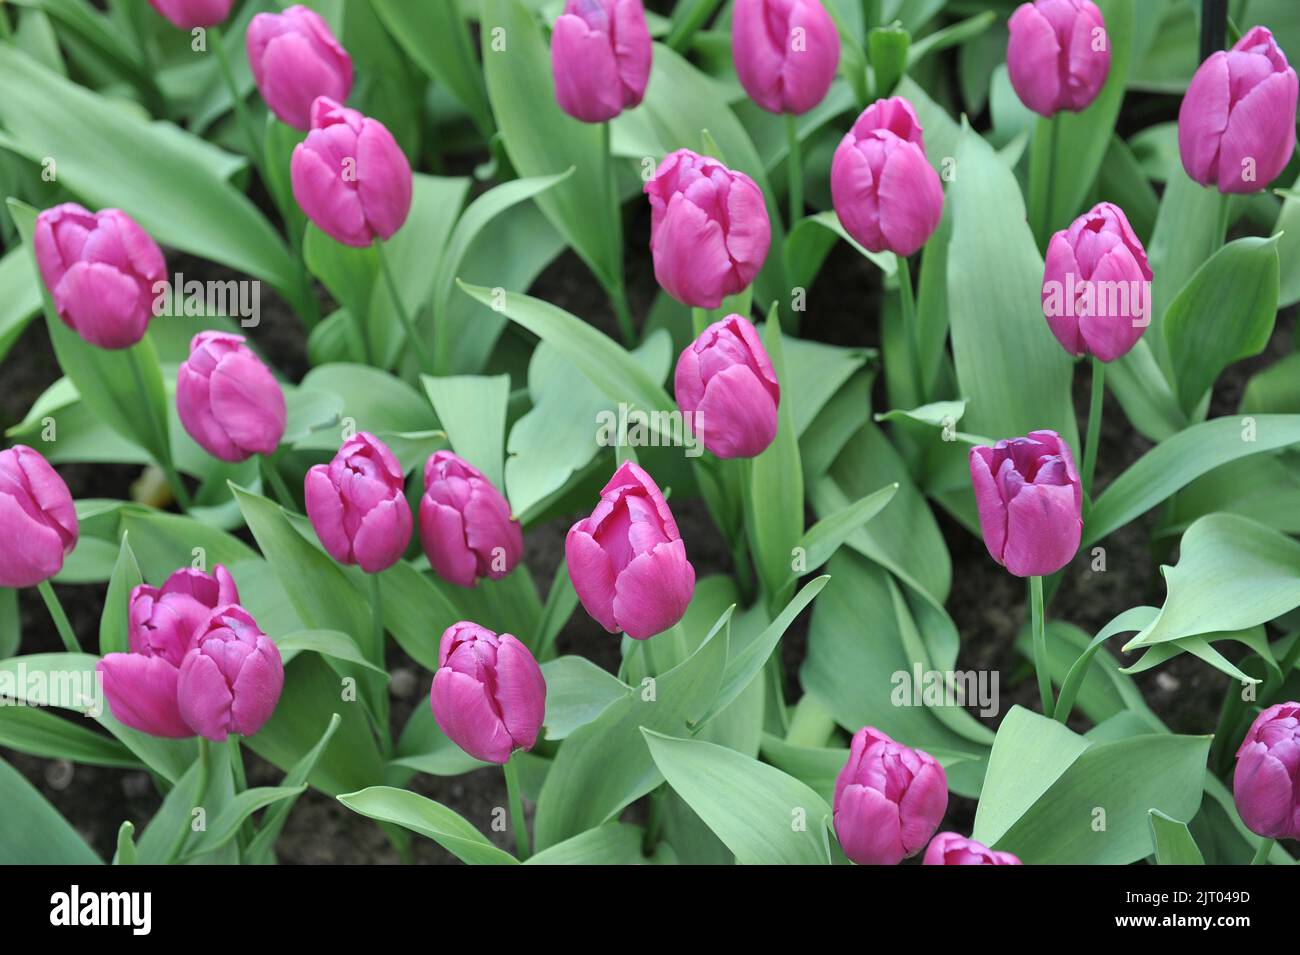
column 160, row 435
column 241, row 108
column 1225, row 203
column 517, row 821
column 412, row 335
column 911, row 334
column 1040, row 645
column 60, row 618
column 1094, row 423
column 617, row 289
column 794, row 168
column 271, row 472
column 1261, row 854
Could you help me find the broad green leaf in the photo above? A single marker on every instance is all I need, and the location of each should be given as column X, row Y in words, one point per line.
column 424, row 748
column 161, row 841
column 1173, row 842
column 615, row 843
column 824, row 538
column 29, row 729
column 225, row 826
column 259, row 849
column 472, row 410
column 31, row 831
column 1276, row 388
column 329, row 643
column 20, row 297
column 430, row 819
column 113, row 629
column 577, row 692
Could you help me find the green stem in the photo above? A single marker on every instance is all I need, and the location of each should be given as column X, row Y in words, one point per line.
column 699, row 320
column 1225, row 202
column 1094, row 423
column 200, row 791
column 237, row 763
column 1040, row 645
column 377, row 619
column 911, row 334
column 1261, row 854
column 241, row 108
column 60, row 618
column 617, row 290
column 1053, row 141
column 517, row 821
column 741, row 564
column 648, row 657
column 412, row 335
column 654, row 821
column 160, row 435
column 794, row 169
column 273, row 477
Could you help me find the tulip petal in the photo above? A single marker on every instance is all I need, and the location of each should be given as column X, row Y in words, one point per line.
column 247, row 403
column 1260, row 136
column 654, row 590
column 467, row 716
column 521, row 691
column 385, row 186
column 868, row 828
column 1043, row 530
column 383, row 535
column 592, row 575
column 41, row 555
column 442, row 534
column 737, row 417
column 103, row 305
column 141, row 693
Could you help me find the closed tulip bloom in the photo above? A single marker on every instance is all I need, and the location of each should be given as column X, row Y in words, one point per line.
column 1058, row 55
column 1096, row 285
column 188, row 14
column 950, row 848
column 889, row 799
column 488, row 695
column 627, row 560
column 357, row 504
column 727, row 389
column 600, row 58
column 885, row 192
column 1236, row 127
column 38, row 521
column 101, row 269
column 709, row 230
column 465, row 524
column 350, row 177
column 295, row 58
column 786, row 52
column 231, row 678
column 228, row 401
column 1266, row 784
column 1030, row 502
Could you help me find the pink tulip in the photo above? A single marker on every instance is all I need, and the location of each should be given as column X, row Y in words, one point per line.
column 101, row 269
column 786, row 52
column 188, row 14
column 1097, row 285
column 727, row 389
column 350, row 177
column 1030, row 502
column 1266, row 784
column 38, row 521
column 949, row 848
column 1058, row 56
column 488, row 695
column 1236, row 127
column 627, row 560
column 889, row 799
column 357, row 504
column 885, row 192
column 140, row 685
column 600, row 58
column 465, row 524
column 231, row 678
column 227, row 400
column 709, row 230
column 295, row 59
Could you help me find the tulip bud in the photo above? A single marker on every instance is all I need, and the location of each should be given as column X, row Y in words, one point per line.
column 1236, row 127
column 465, row 524
column 889, row 799
column 600, row 58
column 949, row 848
column 101, row 269
column 357, row 504
column 885, row 192
column 1266, row 784
column 786, row 52
column 227, row 400
column 295, row 59
column 709, row 231
column 188, row 14
column 488, row 695
column 38, row 521
column 231, row 678
column 627, row 560
column 350, row 177
column 727, row 389
column 1097, row 285
column 1030, row 502
column 1058, row 55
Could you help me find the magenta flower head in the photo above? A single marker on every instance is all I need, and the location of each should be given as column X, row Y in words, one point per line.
column 600, row 58
column 709, row 231
column 889, row 799
column 1266, row 784
column 1236, row 127
column 727, row 389
column 1097, row 285
column 295, row 59
column 140, row 685
column 488, row 695
column 188, row 14
column 950, row 848
column 357, row 504
column 786, row 52
column 38, row 521
column 350, row 177
column 1058, row 56
column 627, row 560
column 1030, row 502
column 885, row 191
column 465, row 524
column 228, row 401
column 103, row 272
column 231, row 678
